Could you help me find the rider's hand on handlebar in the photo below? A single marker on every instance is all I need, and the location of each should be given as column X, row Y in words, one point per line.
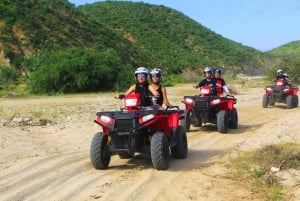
column 169, row 105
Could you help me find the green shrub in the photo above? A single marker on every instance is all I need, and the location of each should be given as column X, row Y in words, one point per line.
column 76, row 70
column 7, row 75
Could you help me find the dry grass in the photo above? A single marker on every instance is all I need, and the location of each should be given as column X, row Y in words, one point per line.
column 254, row 168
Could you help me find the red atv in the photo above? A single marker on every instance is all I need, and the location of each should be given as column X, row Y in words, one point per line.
column 280, row 93
column 137, row 129
column 205, row 108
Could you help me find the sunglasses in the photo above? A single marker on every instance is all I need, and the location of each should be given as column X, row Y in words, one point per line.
column 156, row 75
column 140, row 75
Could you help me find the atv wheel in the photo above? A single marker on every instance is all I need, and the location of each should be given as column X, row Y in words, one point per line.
column 100, row 152
column 271, row 102
column 160, row 152
column 187, row 119
column 296, row 101
column 222, row 121
column 289, row 102
column 180, row 150
column 265, row 101
column 233, row 119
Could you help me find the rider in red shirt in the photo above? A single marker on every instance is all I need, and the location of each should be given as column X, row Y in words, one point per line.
column 220, row 83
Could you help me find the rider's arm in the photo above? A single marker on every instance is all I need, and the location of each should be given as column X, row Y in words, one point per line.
column 165, row 98
column 198, row 85
column 225, row 88
column 129, row 91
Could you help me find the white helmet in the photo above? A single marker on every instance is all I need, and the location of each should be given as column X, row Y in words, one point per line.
column 141, row 70
column 156, row 71
column 208, row 70
column 285, row 74
column 279, row 71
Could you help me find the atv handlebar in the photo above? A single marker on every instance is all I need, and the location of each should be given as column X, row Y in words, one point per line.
column 168, row 107
column 120, row 96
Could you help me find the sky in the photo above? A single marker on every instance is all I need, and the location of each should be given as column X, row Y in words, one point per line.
column 260, row 24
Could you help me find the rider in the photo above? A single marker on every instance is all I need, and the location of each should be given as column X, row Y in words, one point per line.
column 156, row 76
column 282, row 76
column 142, row 87
column 208, row 81
column 220, row 83
column 287, row 80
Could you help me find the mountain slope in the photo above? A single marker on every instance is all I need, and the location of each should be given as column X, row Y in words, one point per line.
column 58, row 46
column 290, row 50
column 172, row 39
column 29, row 26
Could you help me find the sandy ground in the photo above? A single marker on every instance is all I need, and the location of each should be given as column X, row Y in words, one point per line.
column 52, row 162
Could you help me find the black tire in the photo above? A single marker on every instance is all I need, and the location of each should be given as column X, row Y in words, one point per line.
column 160, row 151
column 265, row 101
column 233, row 119
column 100, row 153
column 289, row 102
column 296, row 101
column 180, row 150
column 187, row 120
column 271, row 102
column 222, row 121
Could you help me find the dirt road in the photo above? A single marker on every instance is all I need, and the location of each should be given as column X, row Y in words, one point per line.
column 51, row 162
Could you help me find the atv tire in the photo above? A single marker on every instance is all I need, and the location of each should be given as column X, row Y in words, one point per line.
column 271, row 102
column 100, row 153
column 187, row 120
column 233, row 119
column 160, row 151
column 265, row 101
column 222, row 121
column 180, row 150
column 296, row 101
column 289, row 102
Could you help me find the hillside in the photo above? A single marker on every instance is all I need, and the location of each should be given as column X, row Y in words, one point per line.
column 173, row 39
column 28, row 26
column 290, row 50
column 63, row 48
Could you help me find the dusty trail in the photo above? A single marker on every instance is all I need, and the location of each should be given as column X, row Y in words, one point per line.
column 52, row 162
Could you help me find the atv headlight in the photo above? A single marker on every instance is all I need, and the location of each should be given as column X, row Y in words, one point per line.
column 131, row 102
column 105, row 120
column 189, row 100
column 147, row 118
column 285, row 90
column 269, row 89
column 215, row 102
column 205, row 91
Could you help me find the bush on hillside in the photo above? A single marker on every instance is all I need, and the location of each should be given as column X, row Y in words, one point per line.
column 75, row 70
column 292, row 68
